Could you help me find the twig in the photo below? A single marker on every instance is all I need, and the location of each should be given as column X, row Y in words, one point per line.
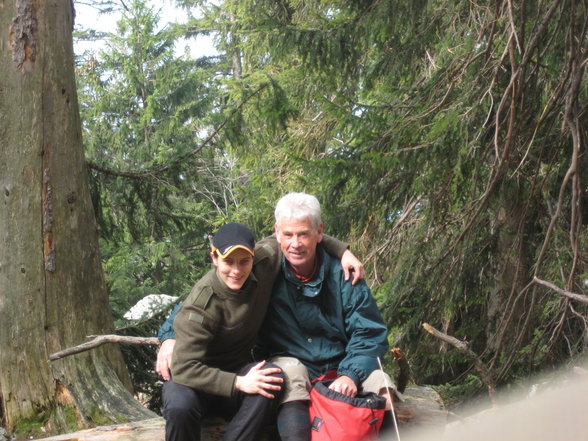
column 98, row 340
column 464, row 349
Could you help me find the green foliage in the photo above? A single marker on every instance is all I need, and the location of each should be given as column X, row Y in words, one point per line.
column 438, row 141
column 402, row 118
column 140, row 360
column 146, row 114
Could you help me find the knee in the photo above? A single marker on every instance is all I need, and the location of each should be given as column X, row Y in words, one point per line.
column 275, row 374
column 177, row 412
column 181, row 403
column 292, row 367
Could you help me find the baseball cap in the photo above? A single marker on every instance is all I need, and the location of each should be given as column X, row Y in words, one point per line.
column 232, row 236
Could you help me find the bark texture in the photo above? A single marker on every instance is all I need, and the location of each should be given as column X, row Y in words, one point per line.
column 52, row 289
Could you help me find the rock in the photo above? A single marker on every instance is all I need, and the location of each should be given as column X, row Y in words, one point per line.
column 149, row 305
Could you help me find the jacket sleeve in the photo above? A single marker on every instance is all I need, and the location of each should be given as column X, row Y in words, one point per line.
column 195, row 328
column 166, row 331
column 333, row 246
column 365, row 330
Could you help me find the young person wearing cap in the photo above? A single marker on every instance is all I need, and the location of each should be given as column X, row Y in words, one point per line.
column 215, row 327
column 214, row 331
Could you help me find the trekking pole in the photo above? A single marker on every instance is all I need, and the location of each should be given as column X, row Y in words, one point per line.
column 390, row 398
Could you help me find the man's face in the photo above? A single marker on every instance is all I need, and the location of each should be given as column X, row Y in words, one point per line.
column 234, row 268
column 298, row 240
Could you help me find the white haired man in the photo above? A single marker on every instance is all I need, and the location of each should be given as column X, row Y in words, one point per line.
column 316, row 322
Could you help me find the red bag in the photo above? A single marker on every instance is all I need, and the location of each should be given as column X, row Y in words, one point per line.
column 338, row 417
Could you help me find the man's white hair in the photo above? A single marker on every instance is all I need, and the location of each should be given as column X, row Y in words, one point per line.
column 299, row 206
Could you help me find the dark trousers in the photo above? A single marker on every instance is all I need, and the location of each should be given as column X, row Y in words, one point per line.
column 184, row 408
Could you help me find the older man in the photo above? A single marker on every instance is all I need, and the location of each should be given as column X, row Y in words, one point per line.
column 316, row 321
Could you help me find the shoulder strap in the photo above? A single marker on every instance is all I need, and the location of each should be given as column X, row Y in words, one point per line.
column 202, row 299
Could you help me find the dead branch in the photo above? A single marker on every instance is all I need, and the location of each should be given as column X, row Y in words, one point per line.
column 404, row 369
column 98, row 340
column 571, row 295
column 463, row 348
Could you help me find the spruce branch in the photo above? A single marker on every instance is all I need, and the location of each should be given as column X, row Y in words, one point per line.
column 157, row 171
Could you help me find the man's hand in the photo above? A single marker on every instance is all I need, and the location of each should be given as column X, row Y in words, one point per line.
column 164, row 356
column 350, row 263
column 344, row 385
column 259, row 380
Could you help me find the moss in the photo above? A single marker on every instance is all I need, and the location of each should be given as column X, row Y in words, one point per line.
column 33, row 426
column 71, row 419
column 47, row 421
column 99, row 417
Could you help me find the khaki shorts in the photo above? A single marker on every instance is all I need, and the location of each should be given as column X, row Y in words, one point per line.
column 297, row 382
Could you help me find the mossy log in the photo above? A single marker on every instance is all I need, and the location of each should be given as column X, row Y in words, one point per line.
column 422, row 407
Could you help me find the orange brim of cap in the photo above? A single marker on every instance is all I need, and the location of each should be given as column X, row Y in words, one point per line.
column 231, row 249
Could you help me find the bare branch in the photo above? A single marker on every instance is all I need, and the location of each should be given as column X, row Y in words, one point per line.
column 463, row 348
column 571, row 295
column 98, row 340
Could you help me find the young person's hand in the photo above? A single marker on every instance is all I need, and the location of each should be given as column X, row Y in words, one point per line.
column 259, row 380
column 164, row 356
column 350, row 264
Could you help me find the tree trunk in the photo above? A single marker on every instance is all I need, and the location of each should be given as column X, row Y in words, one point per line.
column 52, row 289
column 507, row 311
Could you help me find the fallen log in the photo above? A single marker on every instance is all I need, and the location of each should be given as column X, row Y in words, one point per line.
column 422, row 407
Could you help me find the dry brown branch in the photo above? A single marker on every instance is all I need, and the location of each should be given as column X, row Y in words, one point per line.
column 571, row 295
column 405, row 214
column 463, row 348
column 98, row 340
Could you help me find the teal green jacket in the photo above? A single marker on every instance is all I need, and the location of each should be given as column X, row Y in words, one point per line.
column 326, row 323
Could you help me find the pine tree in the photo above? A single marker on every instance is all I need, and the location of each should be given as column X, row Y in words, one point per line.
column 158, row 181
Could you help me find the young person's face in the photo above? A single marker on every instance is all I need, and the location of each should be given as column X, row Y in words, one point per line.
column 234, row 268
column 298, row 240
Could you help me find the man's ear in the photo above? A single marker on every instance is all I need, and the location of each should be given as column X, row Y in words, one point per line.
column 214, row 258
column 320, row 233
column 276, row 230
